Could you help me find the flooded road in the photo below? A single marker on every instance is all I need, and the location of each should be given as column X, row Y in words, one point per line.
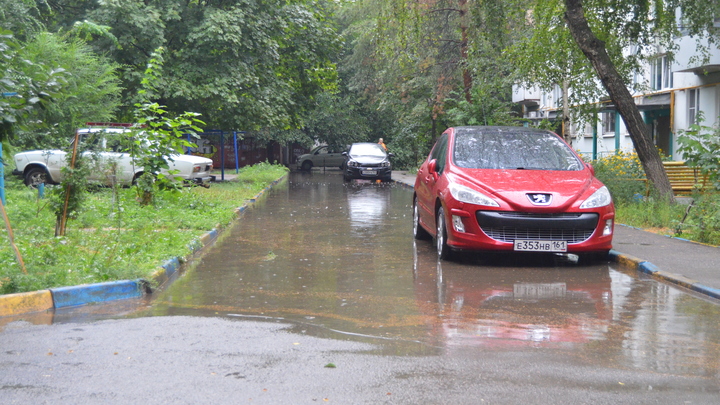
column 338, row 260
column 319, row 293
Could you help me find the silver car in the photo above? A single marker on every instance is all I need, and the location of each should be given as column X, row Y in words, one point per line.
column 321, row 156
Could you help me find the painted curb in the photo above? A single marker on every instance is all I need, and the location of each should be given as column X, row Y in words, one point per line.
column 21, row 303
column 65, row 297
column 655, row 272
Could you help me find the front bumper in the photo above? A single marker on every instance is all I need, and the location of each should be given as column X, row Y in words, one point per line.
column 496, row 230
column 364, row 172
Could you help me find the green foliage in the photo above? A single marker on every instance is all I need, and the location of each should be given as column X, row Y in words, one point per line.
column 29, row 85
column 116, row 240
column 162, row 136
column 242, row 64
column 702, row 223
column 623, row 175
column 67, row 198
column 91, row 92
column 700, row 146
column 21, row 17
column 649, row 213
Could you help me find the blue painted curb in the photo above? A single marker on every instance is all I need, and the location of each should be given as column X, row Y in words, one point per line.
column 171, row 266
column 91, row 293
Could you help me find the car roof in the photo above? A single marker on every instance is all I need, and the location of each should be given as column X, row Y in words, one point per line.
column 502, row 129
column 106, row 130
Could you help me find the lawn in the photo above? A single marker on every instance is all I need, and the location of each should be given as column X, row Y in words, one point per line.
column 114, row 237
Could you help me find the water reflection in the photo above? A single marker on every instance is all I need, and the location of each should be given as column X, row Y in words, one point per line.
column 367, row 205
column 552, row 302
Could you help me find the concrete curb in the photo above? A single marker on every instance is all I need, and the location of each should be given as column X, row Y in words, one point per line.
column 653, row 271
column 65, row 297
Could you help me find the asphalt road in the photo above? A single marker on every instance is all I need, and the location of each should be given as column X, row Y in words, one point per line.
column 192, row 360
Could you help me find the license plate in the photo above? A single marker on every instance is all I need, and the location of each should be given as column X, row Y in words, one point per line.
column 539, row 290
column 540, row 245
column 369, row 172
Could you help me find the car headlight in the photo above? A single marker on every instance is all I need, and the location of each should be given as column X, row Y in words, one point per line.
column 385, row 164
column 600, row 198
column 470, row 196
column 353, row 163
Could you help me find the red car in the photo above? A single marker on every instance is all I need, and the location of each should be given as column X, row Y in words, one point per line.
column 510, row 189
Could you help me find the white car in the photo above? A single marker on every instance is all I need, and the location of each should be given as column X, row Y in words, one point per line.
column 110, row 162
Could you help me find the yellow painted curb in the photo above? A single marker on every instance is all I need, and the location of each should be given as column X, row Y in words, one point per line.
column 22, row 303
column 628, row 261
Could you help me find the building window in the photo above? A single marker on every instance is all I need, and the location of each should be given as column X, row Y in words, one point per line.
column 661, row 73
column 608, row 123
column 693, row 102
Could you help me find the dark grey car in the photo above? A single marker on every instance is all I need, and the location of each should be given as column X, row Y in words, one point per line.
column 367, row 160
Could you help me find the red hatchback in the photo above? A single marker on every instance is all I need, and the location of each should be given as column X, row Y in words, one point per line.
column 510, row 189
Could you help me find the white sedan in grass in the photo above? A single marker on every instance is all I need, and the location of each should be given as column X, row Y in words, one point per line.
column 107, row 149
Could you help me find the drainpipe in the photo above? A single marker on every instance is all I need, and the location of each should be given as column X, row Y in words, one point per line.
column 617, row 131
column 594, row 138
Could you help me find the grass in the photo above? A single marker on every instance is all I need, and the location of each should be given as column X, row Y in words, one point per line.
column 699, row 221
column 114, row 238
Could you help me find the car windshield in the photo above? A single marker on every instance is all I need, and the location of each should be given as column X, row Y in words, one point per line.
column 496, row 148
column 367, row 149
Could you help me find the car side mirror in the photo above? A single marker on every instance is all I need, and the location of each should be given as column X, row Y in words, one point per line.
column 391, row 154
column 344, row 153
column 592, row 169
column 432, row 166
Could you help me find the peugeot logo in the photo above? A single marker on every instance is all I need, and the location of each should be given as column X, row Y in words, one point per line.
column 540, row 198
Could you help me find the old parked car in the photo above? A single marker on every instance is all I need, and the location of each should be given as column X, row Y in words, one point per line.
column 321, row 156
column 366, row 160
column 111, row 162
column 510, row 189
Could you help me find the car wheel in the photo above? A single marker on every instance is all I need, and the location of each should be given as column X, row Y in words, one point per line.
column 307, row 165
column 36, row 176
column 418, row 231
column 443, row 250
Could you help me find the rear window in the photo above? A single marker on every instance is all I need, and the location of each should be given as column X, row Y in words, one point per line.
column 494, row 148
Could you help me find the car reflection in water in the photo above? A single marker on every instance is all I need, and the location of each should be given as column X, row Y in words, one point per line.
column 367, row 203
column 499, row 305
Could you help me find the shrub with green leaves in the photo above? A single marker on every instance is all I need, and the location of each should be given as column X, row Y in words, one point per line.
column 623, row 174
column 700, row 146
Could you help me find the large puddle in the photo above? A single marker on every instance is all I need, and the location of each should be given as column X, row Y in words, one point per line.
column 338, row 260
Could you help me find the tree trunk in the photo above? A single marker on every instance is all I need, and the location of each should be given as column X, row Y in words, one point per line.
column 594, row 50
column 467, row 77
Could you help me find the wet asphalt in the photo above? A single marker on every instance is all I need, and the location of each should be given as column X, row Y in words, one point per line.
column 320, row 294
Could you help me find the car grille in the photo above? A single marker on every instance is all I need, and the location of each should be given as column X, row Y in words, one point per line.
column 365, row 165
column 509, row 226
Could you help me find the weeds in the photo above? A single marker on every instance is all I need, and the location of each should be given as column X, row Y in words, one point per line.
column 113, row 237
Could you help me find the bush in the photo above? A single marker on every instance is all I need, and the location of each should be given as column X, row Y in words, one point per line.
column 623, row 175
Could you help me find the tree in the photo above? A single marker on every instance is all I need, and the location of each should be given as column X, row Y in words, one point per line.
column 91, row 92
column 242, row 64
column 25, row 85
column 569, row 33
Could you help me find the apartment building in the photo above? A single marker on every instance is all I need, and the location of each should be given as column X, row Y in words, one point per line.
column 677, row 92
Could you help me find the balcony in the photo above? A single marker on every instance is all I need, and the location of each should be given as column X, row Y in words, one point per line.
column 529, row 97
column 687, row 49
